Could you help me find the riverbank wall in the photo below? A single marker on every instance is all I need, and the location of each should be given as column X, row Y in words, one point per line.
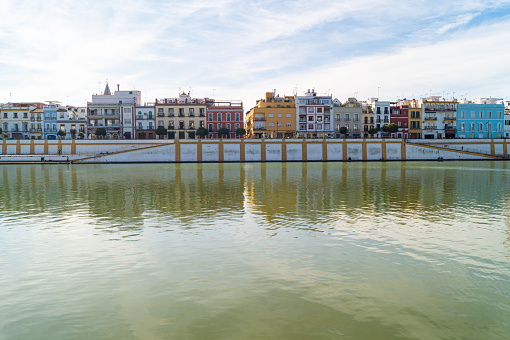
column 249, row 150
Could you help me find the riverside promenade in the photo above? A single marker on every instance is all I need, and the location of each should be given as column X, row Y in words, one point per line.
column 249, row 150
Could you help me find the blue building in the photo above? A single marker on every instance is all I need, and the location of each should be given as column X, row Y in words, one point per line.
column 50, row 121
column 480, row 120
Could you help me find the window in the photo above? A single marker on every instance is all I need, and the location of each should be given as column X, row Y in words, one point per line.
column 219, row 116
column 310, row 126
column 15, row 115
column 210, row 116
column 337, row 116
column 481, row 115
column 279, row 115
column 228, row 117
column 62, row 127
column 228, row 125
column 127, row 110
column 346, row 117
column 170, row 112
column 181, row 112
column 202, row 112
column 288, row 124
column 463, row 114
column 279, row 124
column 211, row 127
column 500, row 115
column 288, row 115
column 237, row 126
column 310, row 110
column 271, row 124
column 472, row 114
column 472, row 126
column 356, row 117
column 310, row 118
column 462, row 127
column 356, row 127
column 192, row 112
column 490, row 114
column 480, row 127
column 127, row 121
column 237, row 116
column 319, row 110
column 270, row 115
column 347, row 126
column 25, row 114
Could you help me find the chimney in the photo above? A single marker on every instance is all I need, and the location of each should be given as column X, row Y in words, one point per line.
column 118, row 87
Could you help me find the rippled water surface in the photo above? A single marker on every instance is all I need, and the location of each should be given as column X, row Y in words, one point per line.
column 255, row 251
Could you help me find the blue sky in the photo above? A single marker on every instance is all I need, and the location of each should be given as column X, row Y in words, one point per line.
column 65, row 50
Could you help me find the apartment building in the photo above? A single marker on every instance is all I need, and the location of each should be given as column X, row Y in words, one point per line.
column 272, row 117
column 224, row 115
column 439, row 118
column 113, row 112
column 181, row 116
column 314, row 115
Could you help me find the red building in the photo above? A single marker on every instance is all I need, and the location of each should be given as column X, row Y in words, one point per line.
column 224, row 114
column 399, row 116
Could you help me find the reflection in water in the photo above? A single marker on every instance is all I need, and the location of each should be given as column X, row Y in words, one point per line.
column 255, row 250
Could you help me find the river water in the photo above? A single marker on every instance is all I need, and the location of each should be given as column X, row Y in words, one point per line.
column 416, row 250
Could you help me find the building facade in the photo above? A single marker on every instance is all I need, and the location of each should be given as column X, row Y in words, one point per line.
column 224, row 115
column 113, row 112
column 314, row 116
column 16, row 120
column 439, row 118
column 415, row 121
column 181, row 116
column 272, row 117
column 399, row 115
column 145, row 122
column 348, row 115
column 480, row 121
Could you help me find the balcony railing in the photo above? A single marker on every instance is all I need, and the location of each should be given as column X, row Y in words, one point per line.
column 430, row 118
column 450, row 118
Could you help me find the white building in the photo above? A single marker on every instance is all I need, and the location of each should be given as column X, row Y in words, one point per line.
column 16, row 119
column 145, row 122
column 439, row 118
column 381, row 111
column 314, row 115
column 113, row 112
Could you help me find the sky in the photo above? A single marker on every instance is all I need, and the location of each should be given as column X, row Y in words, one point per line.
column 66, row 50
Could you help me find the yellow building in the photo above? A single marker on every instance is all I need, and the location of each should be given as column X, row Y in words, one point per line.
column 415, row 120
column 272, row 117
column 181, row 116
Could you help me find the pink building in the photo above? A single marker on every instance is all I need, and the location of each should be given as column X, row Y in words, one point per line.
column 224, row 114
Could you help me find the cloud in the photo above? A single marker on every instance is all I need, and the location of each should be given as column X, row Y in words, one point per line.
column 240, row 48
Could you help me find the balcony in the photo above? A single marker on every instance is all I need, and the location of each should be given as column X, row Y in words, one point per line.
column 450, row 118
column 430, row 118
column 429, row 127
column 260, row 119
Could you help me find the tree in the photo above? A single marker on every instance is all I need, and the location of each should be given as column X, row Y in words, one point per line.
column 372, row 131
column 61, row 134
column 1, row 131
column 81, row 135
column 390, row 128
column 240, row 131
column 343, row 130
column 101, row 132
column 202, row 132
column 161, row 132
column 223, row 132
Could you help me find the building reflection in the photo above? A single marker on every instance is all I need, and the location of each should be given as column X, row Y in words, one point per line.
column 282, row 195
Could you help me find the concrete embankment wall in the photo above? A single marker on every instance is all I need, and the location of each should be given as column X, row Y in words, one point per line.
column 250, row 150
